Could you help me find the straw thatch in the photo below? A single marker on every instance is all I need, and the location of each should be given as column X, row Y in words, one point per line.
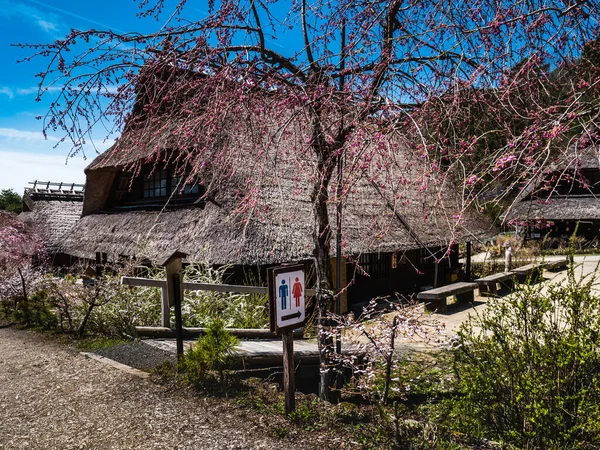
column 278, row 225
column 535, row 203
column 52, row 215
column 557, row 209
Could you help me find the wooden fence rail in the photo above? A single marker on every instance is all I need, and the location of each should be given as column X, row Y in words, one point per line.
column 162, row 284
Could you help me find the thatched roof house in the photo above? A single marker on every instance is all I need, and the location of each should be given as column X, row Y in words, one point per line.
column 52, row 209
column 566, row 194
column 252, row 205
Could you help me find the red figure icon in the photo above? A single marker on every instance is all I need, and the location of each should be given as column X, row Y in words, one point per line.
column 297, row 291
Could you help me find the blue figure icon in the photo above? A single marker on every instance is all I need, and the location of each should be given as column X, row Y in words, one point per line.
column 283, row 293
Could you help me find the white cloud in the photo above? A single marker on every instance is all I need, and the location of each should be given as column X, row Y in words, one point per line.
column 47, row 26
column 35, row 89
column 7, row 91
column 13, row 133
column 48, row 22
column 76, row 16
column 19, row 168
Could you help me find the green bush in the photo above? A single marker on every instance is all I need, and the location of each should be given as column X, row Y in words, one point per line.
column 236, row 310
column 529, row 368
column 124, row 309
column 211, row 354
column 36, row 312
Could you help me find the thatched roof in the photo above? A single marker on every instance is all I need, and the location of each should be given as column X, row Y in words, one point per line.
column 52, row 215
column 557, row 208
column 278, row 226
column 587, row 158
column 536, row 203
column 573, row 160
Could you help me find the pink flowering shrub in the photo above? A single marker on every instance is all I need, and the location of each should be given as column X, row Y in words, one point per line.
column 22, row 253
column 372, row 344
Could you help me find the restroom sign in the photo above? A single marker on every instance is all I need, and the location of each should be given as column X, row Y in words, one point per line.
column 286, row 297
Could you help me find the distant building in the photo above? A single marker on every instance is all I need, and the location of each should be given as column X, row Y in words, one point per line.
column 565, row 195
column 52, row 209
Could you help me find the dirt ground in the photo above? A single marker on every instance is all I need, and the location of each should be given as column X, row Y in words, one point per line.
column 51, row 397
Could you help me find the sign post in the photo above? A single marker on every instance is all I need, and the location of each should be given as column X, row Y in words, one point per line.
column 174, row 268
column 286, row 286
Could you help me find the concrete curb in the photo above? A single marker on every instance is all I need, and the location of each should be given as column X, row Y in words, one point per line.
column 117, row 365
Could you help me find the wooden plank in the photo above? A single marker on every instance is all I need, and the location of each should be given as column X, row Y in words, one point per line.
column 232, row 288
column 556, row 264
column 225, row 288
column 146, row 282
column 194, row 332
column 446, row 291
column 527, row 268
column 495, row 278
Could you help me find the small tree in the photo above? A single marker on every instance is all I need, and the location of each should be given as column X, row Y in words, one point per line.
column 21, row 249
column 11, row 201
column 212, row 352
column 374, row 341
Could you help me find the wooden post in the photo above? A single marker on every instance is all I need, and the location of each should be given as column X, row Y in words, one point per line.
column 289, row 384
column 435, row 274
column 174, row 267
column 98, row 267
column 165, row 312
column 468, row 262
column 178, row 321
column 507, row 258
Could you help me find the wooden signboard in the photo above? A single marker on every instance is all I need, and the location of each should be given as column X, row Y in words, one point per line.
column 286, row 297
column 286, row 286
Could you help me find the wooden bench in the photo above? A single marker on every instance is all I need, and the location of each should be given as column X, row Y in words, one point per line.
column 437, row 297
column 561, row 263
column 530, row 272
column 489, row 285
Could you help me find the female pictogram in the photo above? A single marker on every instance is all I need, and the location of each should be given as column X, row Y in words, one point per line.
column 297, row 291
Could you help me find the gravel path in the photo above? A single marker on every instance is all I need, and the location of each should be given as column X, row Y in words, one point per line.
column 137, row 354
column 51, row 397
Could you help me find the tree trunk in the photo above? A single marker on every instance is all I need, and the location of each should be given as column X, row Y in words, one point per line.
column 84, row 321
column 23, row 287
column 321, row 253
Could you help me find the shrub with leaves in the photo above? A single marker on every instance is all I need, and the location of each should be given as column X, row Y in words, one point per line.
column 529, row 367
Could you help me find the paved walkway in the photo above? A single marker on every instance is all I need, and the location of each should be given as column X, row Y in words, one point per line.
column 585, row 265
column 255, row 352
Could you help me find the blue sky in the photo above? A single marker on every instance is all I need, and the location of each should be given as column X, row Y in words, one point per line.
column 24, row 153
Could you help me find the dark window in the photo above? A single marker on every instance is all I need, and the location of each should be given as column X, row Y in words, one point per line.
column 155, row 184
column 185, row 190
column 377, row 265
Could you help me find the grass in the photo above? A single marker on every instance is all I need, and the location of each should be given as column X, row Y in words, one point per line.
column 97, row 342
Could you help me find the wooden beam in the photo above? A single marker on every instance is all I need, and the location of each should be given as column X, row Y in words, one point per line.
column 225, row 288
column 146, row 282
column 468, row 262
column 194, row 332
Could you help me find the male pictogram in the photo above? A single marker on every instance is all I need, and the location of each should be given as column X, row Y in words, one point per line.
column 297, row 291
column 283, row 293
